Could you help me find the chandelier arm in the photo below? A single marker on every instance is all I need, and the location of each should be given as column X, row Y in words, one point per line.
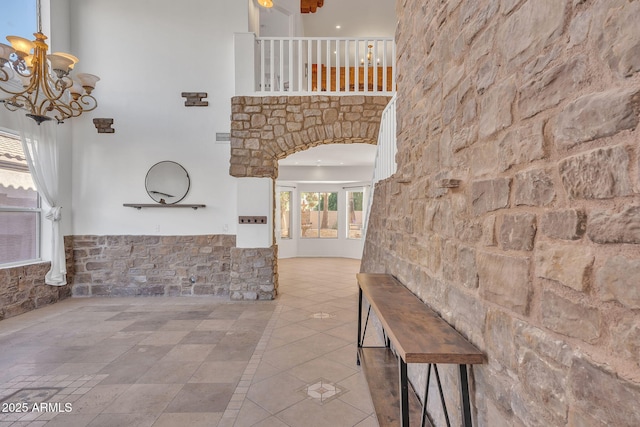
column 5, row 77
column 17, row 102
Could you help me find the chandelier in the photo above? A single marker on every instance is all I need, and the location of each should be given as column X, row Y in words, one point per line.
column 41, row 83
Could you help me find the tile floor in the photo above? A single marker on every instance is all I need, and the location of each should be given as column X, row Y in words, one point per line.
column 166, row 362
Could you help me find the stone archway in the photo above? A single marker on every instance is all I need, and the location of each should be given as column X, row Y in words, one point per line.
column 267, row 129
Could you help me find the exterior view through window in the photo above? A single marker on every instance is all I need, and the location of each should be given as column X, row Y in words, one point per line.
column 354, row 214
column 19, row 205
column 319, row 215
column 285, row 214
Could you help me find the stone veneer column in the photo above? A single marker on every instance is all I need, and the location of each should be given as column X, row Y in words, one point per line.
column 253, row 273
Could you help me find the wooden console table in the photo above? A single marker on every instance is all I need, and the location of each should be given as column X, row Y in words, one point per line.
column 413, row 334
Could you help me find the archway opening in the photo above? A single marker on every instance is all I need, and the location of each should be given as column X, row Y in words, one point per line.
column 321, row 197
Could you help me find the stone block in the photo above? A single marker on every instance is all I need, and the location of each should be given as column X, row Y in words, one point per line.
column 467, row 269
column 597, row 174
column 495, row 109
column 603, row 395
column 490, row 195
column 569, row 265
column 489, row 231
column 546, row 383
column 534, row 188
column 504, row 280
column 552, row 87
column 98, row 265
column 531, row 28
column 619, row 42
column 619, row 280
column 499, row 339
column 528, row 337
column 597, row 115
column 568, row 224
column 518, row 231
column 571, row 319
column 625, row 338
column 482, row 159
column 613, row 226
column 467, row 313
column 528, row 409
column 496, row 386
column 521, row 146
column 352, row 100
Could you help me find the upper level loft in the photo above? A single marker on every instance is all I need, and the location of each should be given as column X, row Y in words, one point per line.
column 334, row 51
column 305, row 65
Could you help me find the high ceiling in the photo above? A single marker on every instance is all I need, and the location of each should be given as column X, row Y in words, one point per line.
column 356, row 18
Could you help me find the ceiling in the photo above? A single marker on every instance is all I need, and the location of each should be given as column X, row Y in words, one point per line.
column 333, row 155
column 356, row 18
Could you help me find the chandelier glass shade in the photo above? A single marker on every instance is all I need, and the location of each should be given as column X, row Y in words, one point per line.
column 41, row 83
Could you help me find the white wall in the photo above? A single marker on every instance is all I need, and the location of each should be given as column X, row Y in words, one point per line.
column 255, row 198
column 147, row 53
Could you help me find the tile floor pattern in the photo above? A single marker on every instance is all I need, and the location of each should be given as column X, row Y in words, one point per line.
column 172, row 362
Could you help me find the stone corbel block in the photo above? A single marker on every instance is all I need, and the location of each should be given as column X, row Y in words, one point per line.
column 104, row 125
column 194, row 99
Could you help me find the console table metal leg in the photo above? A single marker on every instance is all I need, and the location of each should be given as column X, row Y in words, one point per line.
column 464, row 396
column 359, row 325
column 404, row 393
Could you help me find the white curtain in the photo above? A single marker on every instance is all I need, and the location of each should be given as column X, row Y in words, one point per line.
column 41, row 151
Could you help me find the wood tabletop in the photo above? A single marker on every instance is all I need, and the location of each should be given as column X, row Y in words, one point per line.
column 418, row 334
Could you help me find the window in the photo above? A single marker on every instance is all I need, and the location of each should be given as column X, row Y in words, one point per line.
column 319, row 215
column 18, row 18
column 19, row 205
column 355, row 214
column 285, row 214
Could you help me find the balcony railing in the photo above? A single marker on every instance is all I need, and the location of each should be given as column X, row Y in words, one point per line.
column 385, row 163
column 301, row 65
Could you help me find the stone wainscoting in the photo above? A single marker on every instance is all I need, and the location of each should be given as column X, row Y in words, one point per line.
column 23, row 289
column 533, row 107
column 171, row 266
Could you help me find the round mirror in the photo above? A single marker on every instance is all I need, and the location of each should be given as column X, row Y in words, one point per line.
column 167, row 182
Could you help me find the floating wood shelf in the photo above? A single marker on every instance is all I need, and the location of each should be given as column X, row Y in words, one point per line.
column 160, row 205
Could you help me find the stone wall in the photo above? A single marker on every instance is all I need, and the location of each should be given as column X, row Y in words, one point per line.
column 267, row 129
column 23, row 289
column 535, row 257
column 152, row 265
column 254, row 273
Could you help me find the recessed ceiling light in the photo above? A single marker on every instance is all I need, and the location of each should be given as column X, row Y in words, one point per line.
column 337, row 27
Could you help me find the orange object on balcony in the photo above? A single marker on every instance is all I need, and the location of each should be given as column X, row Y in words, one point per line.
column 380, row 74
column 310, row 6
